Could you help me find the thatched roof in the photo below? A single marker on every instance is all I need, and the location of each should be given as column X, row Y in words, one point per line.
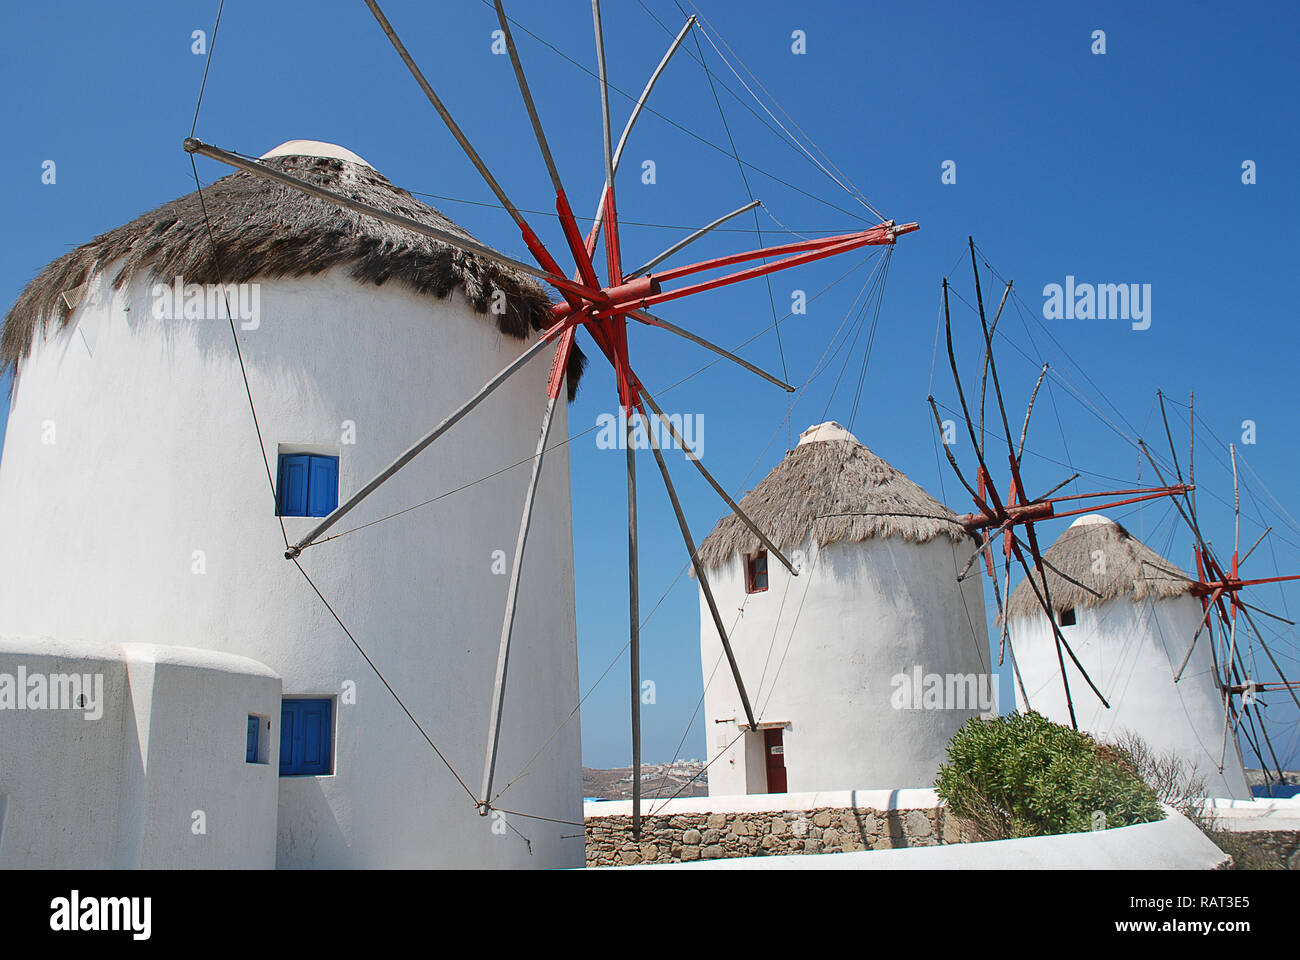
column 264, row 230
column 833, row 486
column 1105, row 557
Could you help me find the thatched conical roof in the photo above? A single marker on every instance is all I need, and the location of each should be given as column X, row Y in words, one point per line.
column 833, row 486
column 264, row 230
column 1102, row 555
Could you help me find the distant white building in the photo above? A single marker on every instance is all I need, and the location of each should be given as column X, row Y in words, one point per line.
column 141, row 542
column 861, row 668
column 1130, row 625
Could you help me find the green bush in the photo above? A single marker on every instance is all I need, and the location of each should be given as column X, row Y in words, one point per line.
column 1023, row 776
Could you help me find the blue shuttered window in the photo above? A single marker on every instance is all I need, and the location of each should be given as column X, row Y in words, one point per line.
column 292, row 488
column 306, row 737
column 254, row 725
column 309, row 485
column 322, row 486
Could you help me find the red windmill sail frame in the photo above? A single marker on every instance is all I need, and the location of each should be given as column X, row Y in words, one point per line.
column 995, row 516
column 1219, row 592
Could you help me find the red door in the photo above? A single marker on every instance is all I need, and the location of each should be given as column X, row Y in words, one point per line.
column 774, row 752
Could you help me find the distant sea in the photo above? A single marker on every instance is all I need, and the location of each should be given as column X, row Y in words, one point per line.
column 1279, row 791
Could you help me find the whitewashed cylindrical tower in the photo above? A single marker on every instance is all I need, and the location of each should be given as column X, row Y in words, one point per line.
column 1130, row 618
column 138, row 505
column 862, row 667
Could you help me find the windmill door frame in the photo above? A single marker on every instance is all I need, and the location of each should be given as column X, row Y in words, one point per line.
column 774, row 759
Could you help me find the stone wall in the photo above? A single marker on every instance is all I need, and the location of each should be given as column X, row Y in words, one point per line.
column 1260, row 834
column 1254, row 849
column 676, row 837
column 1282, row 845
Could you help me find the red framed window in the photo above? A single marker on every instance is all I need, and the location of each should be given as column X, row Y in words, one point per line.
column 756, row 572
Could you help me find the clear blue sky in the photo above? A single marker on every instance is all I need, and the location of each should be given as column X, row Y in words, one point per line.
column 1117, row 168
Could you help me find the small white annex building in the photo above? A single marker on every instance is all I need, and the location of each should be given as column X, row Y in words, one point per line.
column 143, row 543
column 862, row 667
column 120, row 755
column 1129, row 618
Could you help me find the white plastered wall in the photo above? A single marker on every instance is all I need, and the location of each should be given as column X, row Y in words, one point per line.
column 131, row 462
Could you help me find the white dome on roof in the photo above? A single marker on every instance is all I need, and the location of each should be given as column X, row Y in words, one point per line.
column 314, row 148
column 1089, row 519
column 830, row 430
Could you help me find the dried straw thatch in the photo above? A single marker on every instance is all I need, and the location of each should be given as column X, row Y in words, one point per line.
column 263, row 230
column 1102, row 555
column 840, row 491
